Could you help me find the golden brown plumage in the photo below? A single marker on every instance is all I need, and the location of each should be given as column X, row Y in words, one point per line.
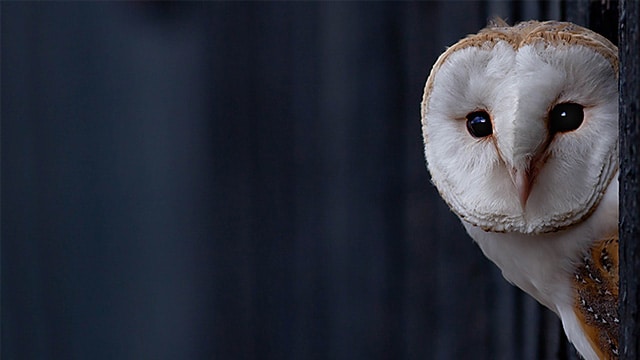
column 596, row 297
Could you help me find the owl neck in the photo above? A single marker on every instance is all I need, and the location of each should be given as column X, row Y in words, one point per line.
column 541, row 265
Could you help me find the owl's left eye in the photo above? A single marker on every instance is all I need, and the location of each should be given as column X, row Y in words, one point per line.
column 565, row 117
column 479, row 124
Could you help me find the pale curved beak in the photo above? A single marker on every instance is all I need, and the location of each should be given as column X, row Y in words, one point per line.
column 522, row 181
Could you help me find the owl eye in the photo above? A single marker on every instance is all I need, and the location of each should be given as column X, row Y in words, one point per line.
column 565, row 117
column 479, row 124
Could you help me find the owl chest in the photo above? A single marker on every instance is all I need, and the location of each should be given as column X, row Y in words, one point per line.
column 572, row 274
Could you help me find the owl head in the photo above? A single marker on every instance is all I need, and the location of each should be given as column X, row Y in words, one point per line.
column 520, row 125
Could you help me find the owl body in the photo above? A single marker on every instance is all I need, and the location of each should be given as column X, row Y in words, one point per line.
column 521, row 133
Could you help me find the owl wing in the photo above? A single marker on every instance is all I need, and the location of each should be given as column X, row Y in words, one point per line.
column 596, row 296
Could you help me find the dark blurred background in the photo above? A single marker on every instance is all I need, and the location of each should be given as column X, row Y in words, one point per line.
column 241, row 181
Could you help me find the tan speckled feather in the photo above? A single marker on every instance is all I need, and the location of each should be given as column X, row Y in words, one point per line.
column 596, row 298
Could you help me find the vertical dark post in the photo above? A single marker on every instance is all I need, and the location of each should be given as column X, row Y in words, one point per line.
column 629, row 187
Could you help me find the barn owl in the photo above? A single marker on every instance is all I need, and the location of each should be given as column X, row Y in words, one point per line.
column 520, row 127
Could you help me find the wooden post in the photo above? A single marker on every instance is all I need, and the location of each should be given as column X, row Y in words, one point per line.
column 629, row 12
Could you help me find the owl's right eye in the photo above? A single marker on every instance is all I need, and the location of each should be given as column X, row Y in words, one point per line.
column 479, row 124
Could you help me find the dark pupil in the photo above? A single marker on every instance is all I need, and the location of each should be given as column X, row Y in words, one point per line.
column 565, row 117
column 479, row 124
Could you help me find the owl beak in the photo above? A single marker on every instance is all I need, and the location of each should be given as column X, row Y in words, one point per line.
column 522, row 182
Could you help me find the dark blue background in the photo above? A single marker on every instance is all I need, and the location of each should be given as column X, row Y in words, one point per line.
column 240, row 181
